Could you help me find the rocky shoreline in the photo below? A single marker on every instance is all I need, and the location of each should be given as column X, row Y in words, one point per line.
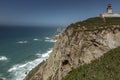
column 76, row 46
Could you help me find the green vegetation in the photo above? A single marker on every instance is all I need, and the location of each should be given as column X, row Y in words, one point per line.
column 96, row 23
column 106, row 67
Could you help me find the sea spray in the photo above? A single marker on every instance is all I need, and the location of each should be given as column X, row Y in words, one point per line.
column 18, row 71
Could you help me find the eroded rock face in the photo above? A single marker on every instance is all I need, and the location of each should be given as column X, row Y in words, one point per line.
column 74, row 48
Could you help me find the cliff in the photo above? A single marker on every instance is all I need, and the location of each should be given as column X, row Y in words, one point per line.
column 107, row 67
column 79, row 43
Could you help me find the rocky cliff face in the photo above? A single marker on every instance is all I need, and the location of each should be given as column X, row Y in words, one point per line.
column 74, row 47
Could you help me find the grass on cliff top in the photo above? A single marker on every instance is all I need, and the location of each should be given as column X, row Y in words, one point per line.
column 106, row 67
column 96, row 22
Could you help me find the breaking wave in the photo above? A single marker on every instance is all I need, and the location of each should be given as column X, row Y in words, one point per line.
column 22, row 42
column 35, row 39
column 47, row 39
column 3, row 58
column 19, row 71
column 50, row 40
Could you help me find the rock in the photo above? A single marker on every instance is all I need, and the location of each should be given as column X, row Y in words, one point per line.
column 1, row 79
column 76, row 48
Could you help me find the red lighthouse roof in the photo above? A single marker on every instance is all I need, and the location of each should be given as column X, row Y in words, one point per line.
column 109, row 6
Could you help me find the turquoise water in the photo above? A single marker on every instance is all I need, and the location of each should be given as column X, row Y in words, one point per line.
column 21, row 49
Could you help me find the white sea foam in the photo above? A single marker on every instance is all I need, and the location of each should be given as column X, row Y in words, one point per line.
column 38, row 55
column 3, row 58
column 47, row 54
column 22, row 42
column 18, row 71
column 51, row 40
column 47, row 39
column 35, row 39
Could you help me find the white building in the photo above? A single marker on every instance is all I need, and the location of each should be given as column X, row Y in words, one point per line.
column 109, row 12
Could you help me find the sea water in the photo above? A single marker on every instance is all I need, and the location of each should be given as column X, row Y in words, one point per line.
column 22, row 48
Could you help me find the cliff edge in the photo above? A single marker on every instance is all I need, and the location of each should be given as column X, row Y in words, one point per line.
column 78, row 44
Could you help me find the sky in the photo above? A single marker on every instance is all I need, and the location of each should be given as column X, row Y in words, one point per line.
column 51, row 12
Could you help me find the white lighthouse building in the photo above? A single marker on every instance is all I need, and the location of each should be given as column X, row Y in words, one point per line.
column 109, row 12
column 109, row 9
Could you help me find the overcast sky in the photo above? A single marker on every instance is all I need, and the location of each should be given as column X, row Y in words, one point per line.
column 51, row 12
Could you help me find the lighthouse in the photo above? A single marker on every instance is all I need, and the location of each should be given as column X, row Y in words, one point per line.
column 109, row 9
column 109, row 12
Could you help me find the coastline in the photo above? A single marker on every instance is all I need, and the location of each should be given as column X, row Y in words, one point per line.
column 78, row 44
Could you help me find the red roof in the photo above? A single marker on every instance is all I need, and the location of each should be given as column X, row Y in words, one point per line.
column 109, row 6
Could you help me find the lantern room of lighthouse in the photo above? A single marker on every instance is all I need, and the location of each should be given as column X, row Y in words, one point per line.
column 109, row 8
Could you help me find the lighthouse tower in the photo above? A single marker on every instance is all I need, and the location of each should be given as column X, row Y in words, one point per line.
column 109, row 12
column 109, row 8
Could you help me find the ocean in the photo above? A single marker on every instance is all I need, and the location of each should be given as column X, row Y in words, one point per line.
column 22, row 48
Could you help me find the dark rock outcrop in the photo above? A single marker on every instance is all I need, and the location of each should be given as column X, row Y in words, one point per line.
column 1, row 79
